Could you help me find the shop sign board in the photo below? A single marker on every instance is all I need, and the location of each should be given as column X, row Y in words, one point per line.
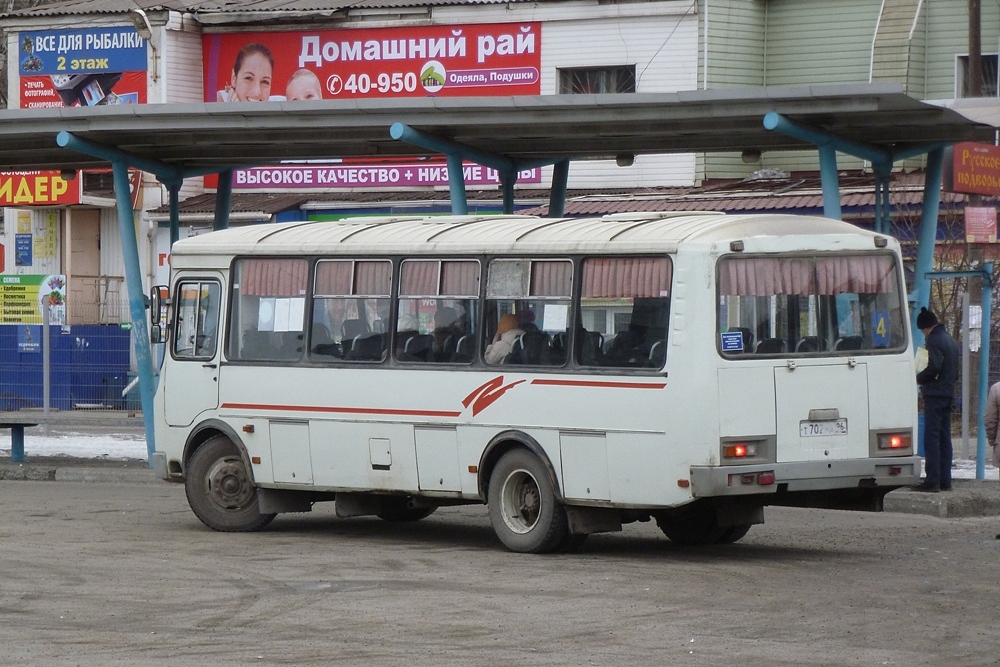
column 973, row 169
column 493, row 59
column 22, row 297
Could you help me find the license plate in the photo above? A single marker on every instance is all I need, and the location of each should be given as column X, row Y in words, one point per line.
column 811, row 429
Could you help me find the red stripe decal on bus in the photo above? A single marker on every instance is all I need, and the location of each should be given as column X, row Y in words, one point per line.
column 597, row 383
column 356, row 411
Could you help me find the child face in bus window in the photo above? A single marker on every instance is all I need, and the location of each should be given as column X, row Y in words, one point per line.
column 253, row 80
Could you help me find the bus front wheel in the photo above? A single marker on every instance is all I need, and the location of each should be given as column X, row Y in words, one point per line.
column 524, row 511
column 220, row 491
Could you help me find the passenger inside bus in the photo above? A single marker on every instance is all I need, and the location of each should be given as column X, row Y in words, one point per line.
column 507, row 334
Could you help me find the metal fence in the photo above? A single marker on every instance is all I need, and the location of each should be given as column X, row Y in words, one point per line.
column 78, row 367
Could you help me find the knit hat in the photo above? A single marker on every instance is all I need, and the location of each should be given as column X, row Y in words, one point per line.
column 926, row 319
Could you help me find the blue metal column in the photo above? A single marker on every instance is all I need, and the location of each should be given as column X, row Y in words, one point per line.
column 507, row 185
column 223, row 199
column 136, row 299
column 830, row 181
column 926, row 239
column 456, row 184
column 174, row 190
column 883, row 206
column 557, row 195
column 984, row 369
column 17, row 443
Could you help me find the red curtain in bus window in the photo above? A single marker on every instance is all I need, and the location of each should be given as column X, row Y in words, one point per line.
column 856, row 275
column 274, row 277
column 766, row 276
column 419, row 278
column 372, row 278
column 622, row 277
column 333, row 278
column 460, row 278
column 551, row 278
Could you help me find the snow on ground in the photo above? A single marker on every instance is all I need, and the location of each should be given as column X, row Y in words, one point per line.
column 88, row 446
column 79, row 445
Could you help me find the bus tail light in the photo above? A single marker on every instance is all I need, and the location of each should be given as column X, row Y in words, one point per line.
column 739, row 450
column 752, row 479
column 895, row 441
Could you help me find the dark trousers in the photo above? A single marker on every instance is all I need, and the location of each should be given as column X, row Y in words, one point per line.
column 937, row 440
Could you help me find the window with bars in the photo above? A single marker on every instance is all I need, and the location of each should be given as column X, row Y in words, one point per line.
column 594, row 80
column 989, row 77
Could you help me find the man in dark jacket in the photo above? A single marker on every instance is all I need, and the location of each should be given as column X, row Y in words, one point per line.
column 937, row 383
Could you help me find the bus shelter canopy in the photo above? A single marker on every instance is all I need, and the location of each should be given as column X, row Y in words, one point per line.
column 201, row 136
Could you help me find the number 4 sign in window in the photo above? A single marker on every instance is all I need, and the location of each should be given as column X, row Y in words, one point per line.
column 880, row 328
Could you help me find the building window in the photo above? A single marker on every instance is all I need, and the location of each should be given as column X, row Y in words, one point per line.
column 989, row 76
column 581, row 81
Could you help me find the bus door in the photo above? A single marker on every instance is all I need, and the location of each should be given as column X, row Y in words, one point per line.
column 192, row 375
column 821, row 411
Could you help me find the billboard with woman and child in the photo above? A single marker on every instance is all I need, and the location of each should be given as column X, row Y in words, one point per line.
column 459, row 60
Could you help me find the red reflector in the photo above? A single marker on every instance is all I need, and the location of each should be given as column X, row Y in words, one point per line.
column 895, row 470
column 765, row 478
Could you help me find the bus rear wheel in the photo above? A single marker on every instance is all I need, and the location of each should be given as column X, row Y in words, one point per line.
column 697, row 525
column 220, row 491
column 524, row 511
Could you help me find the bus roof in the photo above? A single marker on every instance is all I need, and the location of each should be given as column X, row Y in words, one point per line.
column 662, row 232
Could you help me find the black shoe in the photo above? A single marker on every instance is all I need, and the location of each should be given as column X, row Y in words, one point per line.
column 926, row 488
column 946, row 487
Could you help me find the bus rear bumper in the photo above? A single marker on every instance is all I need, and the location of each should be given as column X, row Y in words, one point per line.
column 884, row 474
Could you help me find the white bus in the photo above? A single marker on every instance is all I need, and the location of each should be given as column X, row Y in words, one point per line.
column 689, row 368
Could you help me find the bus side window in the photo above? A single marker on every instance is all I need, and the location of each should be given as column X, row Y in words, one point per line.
column 531, row 298
column 350, row 303
column 437, row 306
column 629, row 297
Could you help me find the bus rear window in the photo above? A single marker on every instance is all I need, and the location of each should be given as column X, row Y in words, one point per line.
column 810, row 305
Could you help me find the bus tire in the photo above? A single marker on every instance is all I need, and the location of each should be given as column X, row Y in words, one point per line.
column 735, row 533
column 397, row 509
column 219, row 489
column 696, row 525
column 524, row 511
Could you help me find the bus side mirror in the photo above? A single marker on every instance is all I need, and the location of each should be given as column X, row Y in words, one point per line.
column 156, row 334
column 155, row 303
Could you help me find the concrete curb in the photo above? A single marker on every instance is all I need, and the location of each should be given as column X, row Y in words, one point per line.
column 97, row 474
column 107, row 475
column 968, row 499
